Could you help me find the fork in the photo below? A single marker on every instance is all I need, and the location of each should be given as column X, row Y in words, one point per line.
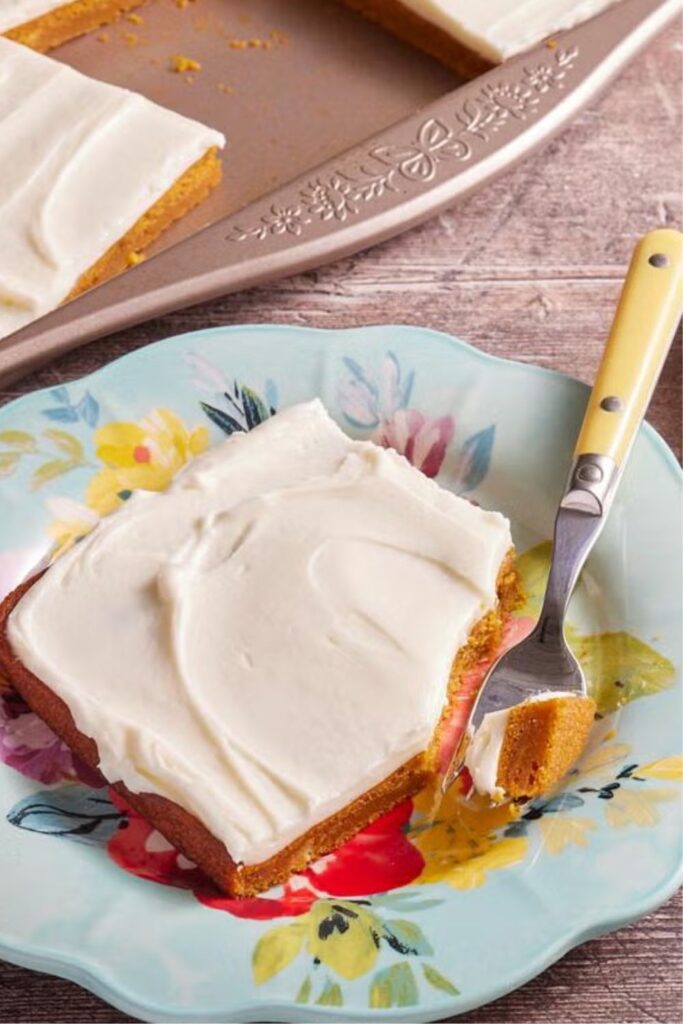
column 644, row 326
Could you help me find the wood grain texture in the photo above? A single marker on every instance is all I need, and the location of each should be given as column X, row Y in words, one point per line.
column 529, row 267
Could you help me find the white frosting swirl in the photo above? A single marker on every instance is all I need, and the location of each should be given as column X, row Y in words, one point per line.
column 80, row 162
column 499, row 29
column 272, row 636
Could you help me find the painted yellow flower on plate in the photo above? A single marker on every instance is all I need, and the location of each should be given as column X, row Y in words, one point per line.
column 601, row 761
column 342, row 935
column 458, row 839
column 670, row 768
column 558, row 832
column 141, row 456
column 636, row 807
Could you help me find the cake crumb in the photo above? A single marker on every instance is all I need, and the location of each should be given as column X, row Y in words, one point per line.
column 227, row 90
column 103, row 37
column 274, row 38
column 134, row 19
column 131, row 38
column 181, row 64
column 551, row 44
column 133, row 258
column 183, row 3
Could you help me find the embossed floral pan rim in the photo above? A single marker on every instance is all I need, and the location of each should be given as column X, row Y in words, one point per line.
column 451, row 359
column 382, row 186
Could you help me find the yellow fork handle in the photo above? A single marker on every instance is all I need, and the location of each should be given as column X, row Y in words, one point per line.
column 645, row 322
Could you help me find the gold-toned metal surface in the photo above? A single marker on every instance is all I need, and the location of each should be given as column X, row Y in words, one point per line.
column 315, row 79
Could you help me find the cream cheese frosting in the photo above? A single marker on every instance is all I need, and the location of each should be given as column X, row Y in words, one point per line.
column 499, row 29
column 18, row 12
column 80, row 162
column 273, row 635
column 486, row 743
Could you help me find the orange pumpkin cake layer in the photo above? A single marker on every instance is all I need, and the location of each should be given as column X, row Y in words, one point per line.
column 297, row 611
column 525, row 750
column 542, row 741
column 44, row 24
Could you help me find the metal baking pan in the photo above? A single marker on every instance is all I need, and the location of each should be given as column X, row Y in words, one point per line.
column 296, row 85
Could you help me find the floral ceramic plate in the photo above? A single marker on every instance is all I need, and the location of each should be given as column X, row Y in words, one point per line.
column 410, row 920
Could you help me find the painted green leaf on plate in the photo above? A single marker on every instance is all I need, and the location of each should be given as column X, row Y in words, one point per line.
column 304, row 993
column 437, row 980
column 20, row 440
column 394, row 986
column 50, row 471
column 331, row 995
column 406, row 937
column 255, row 410
column 620, row 668
column 74, row 812
column 9, row 462
column 65, row 442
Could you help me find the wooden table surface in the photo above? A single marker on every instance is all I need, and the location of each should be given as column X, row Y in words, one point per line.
column 529, row 267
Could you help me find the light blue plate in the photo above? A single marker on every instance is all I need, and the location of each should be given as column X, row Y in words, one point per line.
column 480, row 902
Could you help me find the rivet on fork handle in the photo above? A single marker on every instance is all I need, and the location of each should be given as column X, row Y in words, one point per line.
column 592, row 482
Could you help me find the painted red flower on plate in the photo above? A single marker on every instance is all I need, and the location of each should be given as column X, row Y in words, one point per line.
column 379, row 858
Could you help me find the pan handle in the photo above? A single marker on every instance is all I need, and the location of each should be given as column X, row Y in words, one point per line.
column 398, row 178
